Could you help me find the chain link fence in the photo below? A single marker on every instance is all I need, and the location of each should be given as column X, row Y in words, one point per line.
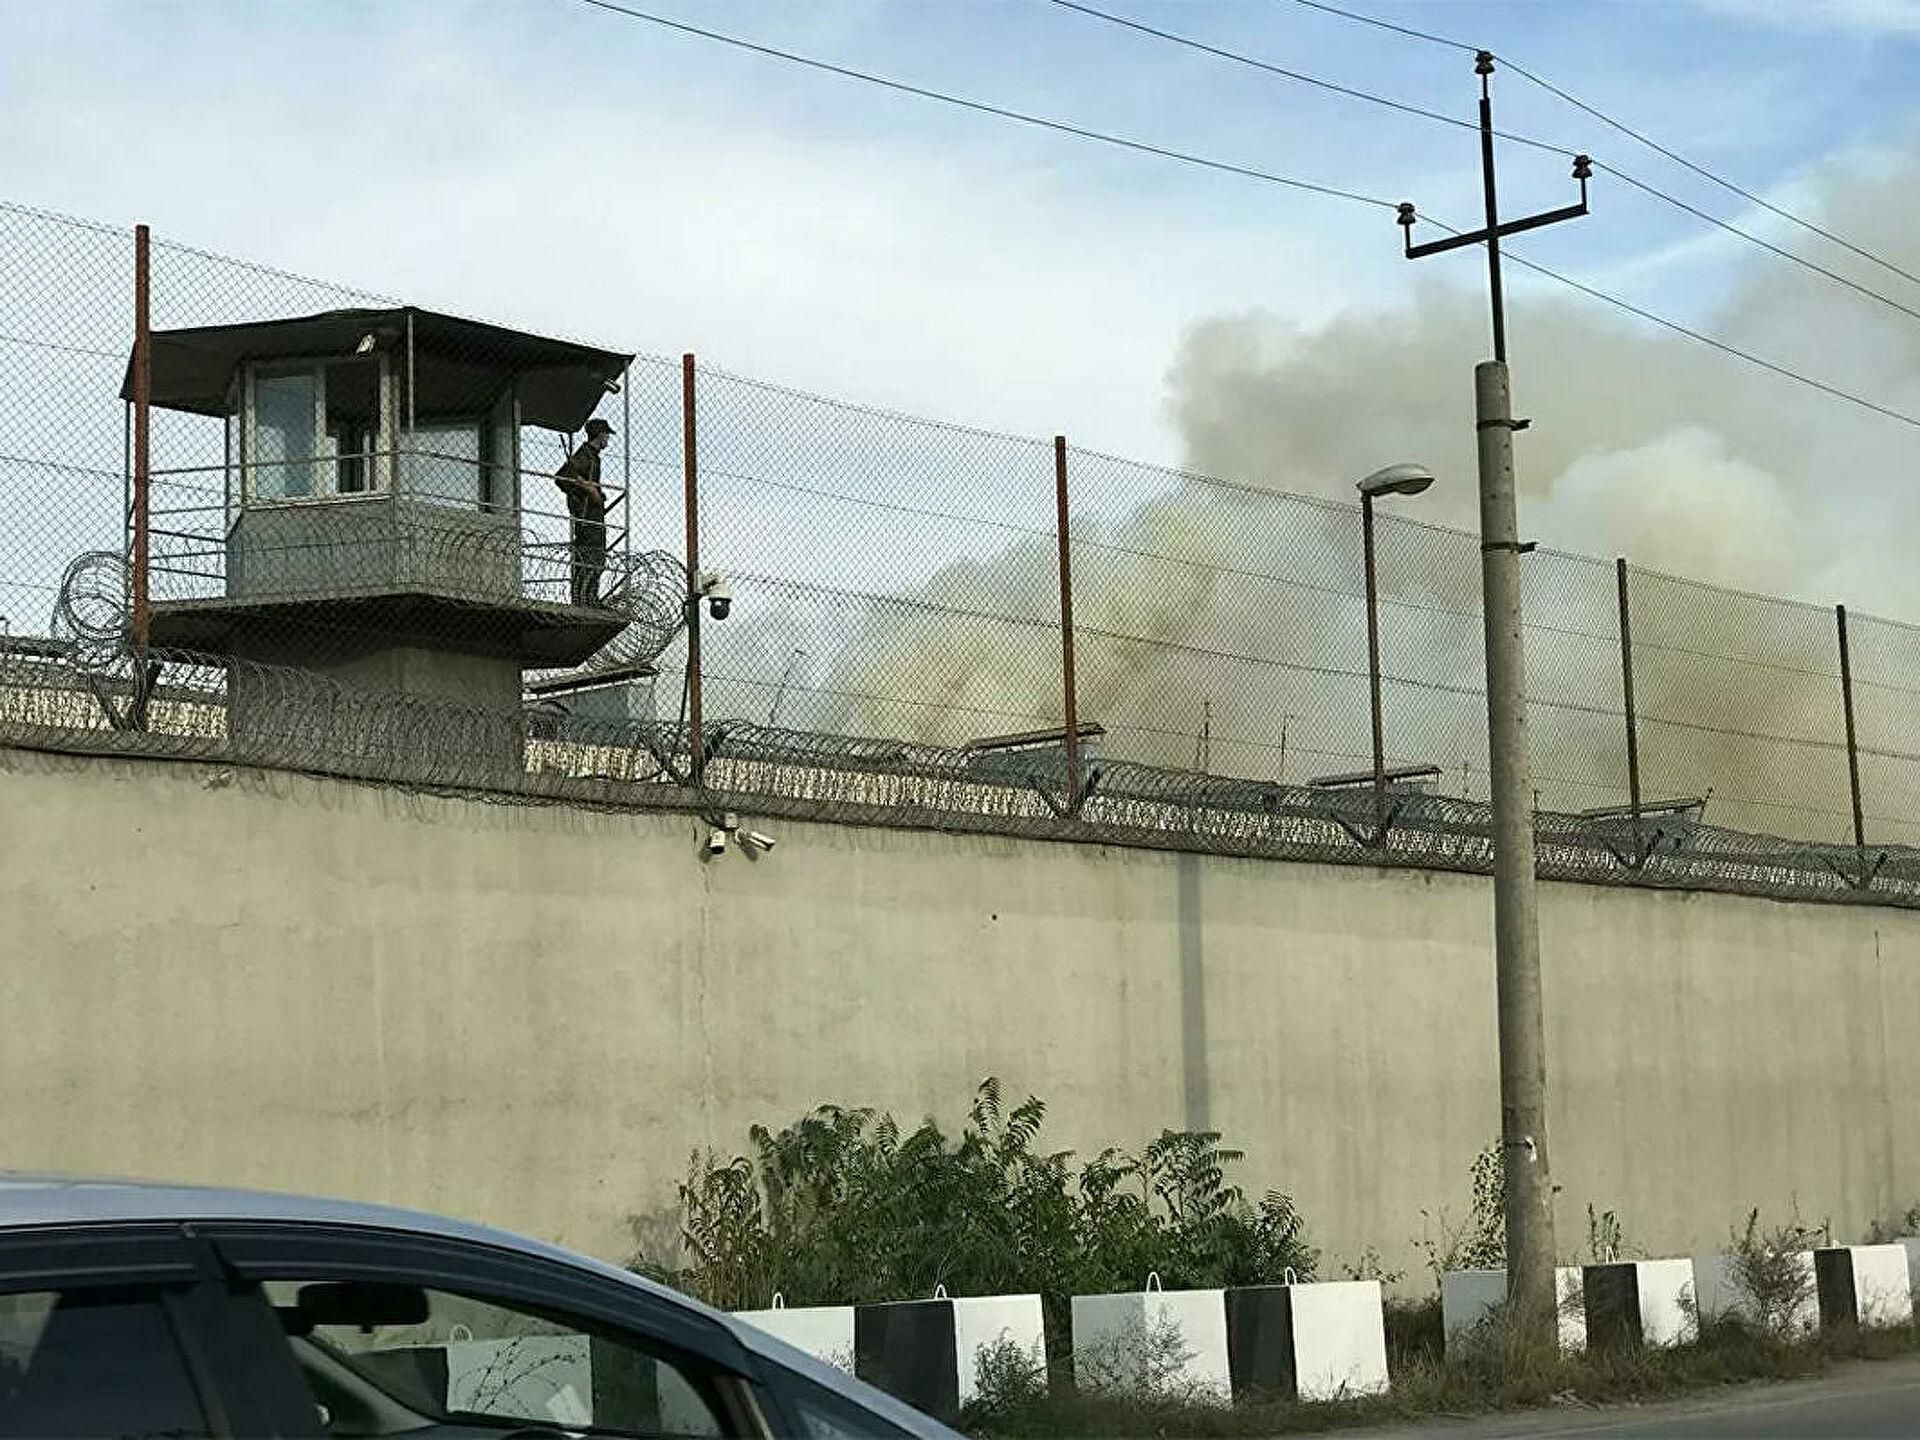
column 415, row 548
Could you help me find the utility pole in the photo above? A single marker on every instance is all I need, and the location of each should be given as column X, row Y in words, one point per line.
column 1531, row 1295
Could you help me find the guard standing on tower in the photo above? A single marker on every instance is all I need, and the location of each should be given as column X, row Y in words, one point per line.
column 579, row 481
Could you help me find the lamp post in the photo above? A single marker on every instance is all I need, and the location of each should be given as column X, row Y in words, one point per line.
column 1404, row 479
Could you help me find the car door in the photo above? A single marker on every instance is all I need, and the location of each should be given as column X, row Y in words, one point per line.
column 131, row 1330
column 402, row 1330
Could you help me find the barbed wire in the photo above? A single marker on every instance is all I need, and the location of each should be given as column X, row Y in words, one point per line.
column 218, row 710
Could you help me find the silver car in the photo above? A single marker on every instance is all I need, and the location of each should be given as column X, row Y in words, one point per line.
column 131, row 1309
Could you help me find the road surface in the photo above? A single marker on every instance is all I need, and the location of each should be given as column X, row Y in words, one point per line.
column 1867, row 1400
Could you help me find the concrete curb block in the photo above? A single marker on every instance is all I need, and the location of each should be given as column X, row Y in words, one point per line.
column 825, row 1332
column 1863, row 1285
column 1641, row 1302
column 925, row 1352
column 1318, row 1341
column 1468, row 1298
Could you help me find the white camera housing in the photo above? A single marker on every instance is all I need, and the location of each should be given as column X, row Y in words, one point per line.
column 718, row 594
column 716, row 842
column 758, row 840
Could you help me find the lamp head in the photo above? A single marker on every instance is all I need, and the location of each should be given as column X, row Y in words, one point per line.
column 1406, row 479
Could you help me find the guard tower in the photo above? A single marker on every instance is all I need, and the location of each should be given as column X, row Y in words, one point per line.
column 372, row 525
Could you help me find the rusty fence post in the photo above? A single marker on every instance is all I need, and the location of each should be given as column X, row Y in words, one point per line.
column 1626, row 697
column 1069, row 701
column 689, row 450
column 1853, row 748
column 626, row 469
column 142, row 444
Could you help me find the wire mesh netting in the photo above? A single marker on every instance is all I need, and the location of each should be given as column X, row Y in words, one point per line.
column 1738, row 699
column 891, row 577
column 1886, row 703
column 411, row 547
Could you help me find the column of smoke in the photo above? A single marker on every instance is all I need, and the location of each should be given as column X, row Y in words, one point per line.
column 1643, row 444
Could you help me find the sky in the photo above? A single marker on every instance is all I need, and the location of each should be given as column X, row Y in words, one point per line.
column 548, row 163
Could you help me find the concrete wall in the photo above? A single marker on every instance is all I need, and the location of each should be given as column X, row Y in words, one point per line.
column 531, row 1015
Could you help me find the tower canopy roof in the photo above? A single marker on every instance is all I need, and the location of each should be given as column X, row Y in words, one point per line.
column 458, row 365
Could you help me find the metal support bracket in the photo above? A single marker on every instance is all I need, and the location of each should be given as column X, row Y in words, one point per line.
column 1372, row 837
column 1067, row 809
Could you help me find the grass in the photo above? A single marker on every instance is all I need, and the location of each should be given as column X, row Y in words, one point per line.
column 1488, row 1377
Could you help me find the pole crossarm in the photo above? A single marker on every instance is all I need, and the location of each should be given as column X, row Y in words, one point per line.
column 1479, row 237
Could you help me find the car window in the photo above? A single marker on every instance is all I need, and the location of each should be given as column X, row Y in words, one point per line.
column 468, row 1357
column 824, row 1415
column 93, row 1362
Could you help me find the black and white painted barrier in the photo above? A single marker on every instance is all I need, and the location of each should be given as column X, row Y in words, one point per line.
column 823, row 1331
column 1468, row 1299
column 925, row 1352
column 1634, row 1302
column 1317, row 1341
column 1639, row 1302
column 1863, row 1285
column 1871, row 1285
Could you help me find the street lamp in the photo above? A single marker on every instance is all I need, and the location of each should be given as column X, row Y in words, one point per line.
column 1405, row 479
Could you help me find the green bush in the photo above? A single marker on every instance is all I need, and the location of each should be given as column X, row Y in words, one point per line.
column 844, row 1207
column 1415, row 1332
column 1010, row 1383
column 1768, row 1268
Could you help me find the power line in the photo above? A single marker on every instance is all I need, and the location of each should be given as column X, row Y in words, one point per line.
column 999, row 111
column 1300, row 76
column 1703, row 172
column 1725, row 347
column 1866, row 290
column 1389, row 25
column 1440, row 117
column 1705, row 339
column 1623, row 128
column 1247, row 172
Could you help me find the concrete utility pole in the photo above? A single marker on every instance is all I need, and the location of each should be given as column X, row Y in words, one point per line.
column 1516, row 930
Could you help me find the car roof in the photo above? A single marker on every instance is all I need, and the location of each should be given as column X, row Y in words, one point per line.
column 54, row 1199
column 31, row 1199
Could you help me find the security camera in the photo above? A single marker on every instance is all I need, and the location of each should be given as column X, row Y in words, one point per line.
column 716, row 842
column 757, row 840
column 717, row 593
